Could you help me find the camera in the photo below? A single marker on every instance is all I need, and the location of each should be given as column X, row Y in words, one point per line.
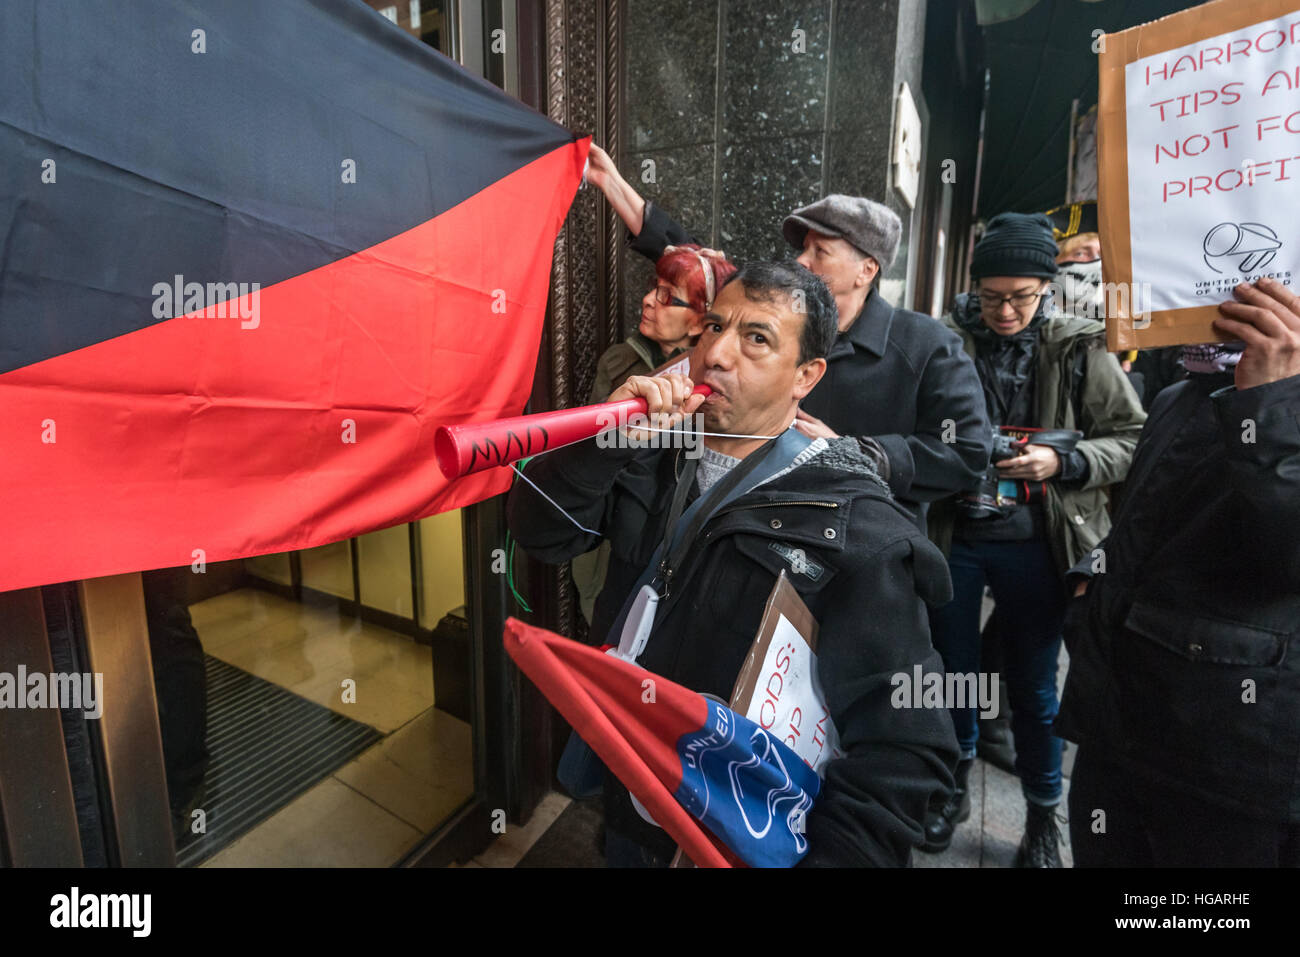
column 996, row 495
column 1006, row 446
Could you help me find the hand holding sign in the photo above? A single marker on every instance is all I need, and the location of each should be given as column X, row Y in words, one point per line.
column 1198, row 127
column 1266, row 316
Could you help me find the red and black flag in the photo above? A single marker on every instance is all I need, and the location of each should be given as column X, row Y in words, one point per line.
column 252, row 255
column 726, row 790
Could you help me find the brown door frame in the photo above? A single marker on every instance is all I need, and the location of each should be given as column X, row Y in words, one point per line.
column 128, row 734
column 38, row 816
column 110, row 639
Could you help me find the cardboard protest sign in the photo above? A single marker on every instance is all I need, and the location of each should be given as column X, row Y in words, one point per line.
column 778, row 688
column 1199, row 171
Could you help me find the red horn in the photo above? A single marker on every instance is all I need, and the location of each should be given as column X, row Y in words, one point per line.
column 475, row 446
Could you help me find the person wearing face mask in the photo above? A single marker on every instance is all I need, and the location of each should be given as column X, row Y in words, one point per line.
column 686, row 280
column 1079, row 291
column 1184, row 686
column 1078, row 288
column 1039, row 512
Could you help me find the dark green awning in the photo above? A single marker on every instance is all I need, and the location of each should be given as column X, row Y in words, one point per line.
column 1040, row 57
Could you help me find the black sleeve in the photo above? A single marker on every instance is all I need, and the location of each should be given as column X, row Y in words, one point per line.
column 873, row 802
column 658, row 231
column 1260, row 429
column 1074, row 469
column 1083, row 569
column 949, row 450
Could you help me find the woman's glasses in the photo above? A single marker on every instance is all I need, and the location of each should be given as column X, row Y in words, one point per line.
column 664, row 295
column 991, row 300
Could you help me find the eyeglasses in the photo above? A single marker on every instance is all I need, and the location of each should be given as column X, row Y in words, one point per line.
column 664, row 295
column 990, row 300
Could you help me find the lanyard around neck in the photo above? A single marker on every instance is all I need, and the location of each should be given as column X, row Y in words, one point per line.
column 678, row 538
column 775, row 455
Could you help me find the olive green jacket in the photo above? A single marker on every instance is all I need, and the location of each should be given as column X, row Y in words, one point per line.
column 1110, row 416
column 636, row 355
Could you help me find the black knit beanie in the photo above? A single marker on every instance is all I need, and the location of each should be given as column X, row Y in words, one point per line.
column 1015, row 244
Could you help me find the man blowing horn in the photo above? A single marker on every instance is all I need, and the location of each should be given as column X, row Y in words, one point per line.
column 697, row 543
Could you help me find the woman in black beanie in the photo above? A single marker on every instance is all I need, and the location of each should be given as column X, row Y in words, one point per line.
column 1039, row 510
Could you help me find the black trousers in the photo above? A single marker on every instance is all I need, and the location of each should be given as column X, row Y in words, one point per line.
column 1120, row 818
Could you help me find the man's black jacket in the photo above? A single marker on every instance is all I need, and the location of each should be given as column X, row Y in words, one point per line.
column 1185, row 652
column 865, row 573
column 895, row 376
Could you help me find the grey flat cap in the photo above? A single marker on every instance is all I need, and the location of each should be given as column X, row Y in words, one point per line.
column 872, row 227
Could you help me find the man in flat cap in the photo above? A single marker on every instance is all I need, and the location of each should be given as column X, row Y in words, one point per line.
column 897, row 381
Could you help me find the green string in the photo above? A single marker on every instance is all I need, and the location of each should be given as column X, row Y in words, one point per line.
column 510, row 558
column 510, row 573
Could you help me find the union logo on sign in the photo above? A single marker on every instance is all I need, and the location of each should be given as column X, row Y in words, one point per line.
column 1245, row 247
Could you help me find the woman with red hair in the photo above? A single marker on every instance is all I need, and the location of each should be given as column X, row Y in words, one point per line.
column 687, row 278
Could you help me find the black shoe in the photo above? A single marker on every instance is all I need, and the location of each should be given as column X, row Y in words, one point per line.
column 942, row 820
column 1040, row 847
